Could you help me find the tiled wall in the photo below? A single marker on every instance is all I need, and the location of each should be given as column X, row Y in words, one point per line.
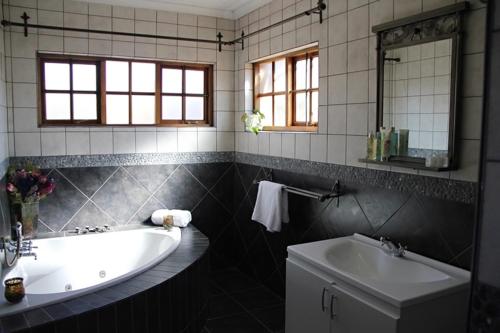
column 348, row 78
column 417, row 93
column 485, row 301
column 26, row 139
column 440, row 229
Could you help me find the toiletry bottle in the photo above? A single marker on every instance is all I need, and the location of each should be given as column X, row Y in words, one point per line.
column 382, row 139
column 378, row 150
column 386, row 143
column 403, row 142
column 369, row 146
column 394, row 142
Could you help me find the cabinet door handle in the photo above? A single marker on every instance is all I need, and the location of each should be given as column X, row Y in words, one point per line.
column 323, row 300
column 332, row 312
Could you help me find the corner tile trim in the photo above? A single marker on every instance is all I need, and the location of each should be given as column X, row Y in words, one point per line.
column 453, row 190
column 123, row 159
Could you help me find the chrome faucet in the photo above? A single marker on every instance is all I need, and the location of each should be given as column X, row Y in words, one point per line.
column 20, row 248
column 392, row 248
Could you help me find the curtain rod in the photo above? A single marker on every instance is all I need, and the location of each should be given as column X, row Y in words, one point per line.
column 321, row 6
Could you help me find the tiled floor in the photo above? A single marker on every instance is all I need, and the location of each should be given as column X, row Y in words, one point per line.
column 239, row 304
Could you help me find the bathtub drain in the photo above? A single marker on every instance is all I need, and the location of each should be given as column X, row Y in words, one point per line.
column 102, row 274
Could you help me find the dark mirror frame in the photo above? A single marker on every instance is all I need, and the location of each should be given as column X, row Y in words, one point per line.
column 435, row 25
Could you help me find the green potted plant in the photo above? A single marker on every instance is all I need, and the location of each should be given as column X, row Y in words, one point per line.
column 253, row 121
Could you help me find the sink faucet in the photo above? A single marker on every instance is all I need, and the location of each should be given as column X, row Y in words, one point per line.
column 392, row 248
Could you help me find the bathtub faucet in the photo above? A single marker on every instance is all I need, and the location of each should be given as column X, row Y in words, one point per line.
column 20, row 248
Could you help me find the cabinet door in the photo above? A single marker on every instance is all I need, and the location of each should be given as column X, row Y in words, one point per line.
column 307, row 296
column 351, row 314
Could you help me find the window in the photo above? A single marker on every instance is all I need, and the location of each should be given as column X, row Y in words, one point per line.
column 70, row 92
column 119, row 92
column 286, row 91
column 184, row 94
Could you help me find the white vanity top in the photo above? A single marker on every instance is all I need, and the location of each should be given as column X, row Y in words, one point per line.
column 361, row 262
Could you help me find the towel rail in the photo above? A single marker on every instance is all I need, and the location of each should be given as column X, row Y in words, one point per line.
column 335, row 193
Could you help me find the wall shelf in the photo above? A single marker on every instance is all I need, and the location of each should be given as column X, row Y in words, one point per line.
column 406, row 164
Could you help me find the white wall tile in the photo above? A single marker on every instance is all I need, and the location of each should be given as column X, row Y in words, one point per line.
column 53, row 143
column 101, row 143
column 27, row 144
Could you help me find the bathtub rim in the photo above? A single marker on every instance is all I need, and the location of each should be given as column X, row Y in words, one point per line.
column 53, row 298
column 194, row 245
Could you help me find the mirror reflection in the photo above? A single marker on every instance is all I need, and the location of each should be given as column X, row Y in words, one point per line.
column 417, row 81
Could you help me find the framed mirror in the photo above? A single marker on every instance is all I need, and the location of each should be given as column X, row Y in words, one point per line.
column 418, row 89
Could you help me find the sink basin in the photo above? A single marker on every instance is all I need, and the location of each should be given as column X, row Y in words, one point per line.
column 367, row 261
column 361, row 262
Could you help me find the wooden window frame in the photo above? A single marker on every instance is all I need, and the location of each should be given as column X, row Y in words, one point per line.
column 101, row 92
column 207, row 86
column 43, row 91
column 291, row 59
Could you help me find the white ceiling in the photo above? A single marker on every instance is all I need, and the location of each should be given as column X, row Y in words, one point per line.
column 231, row 9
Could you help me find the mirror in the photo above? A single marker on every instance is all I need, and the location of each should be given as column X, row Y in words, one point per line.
column 418, row 76
column 417, row 88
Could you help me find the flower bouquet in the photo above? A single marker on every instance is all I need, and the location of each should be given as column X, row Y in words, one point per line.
column 25, row 187
column 253, row 121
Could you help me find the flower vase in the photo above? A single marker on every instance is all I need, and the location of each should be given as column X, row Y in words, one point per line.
column 27, row 214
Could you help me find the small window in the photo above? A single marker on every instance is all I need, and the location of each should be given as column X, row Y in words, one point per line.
column 184, row 94
column 70, row 92
column 286, row 91
column 121, row 92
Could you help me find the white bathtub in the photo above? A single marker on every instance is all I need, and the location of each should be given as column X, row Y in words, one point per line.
column 70, row 266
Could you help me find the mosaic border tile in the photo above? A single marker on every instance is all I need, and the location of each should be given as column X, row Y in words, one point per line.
column 124, row 159
column 453, row 190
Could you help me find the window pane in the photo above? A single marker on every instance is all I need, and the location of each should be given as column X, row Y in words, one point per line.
column 300, row 74
column 84, row 77
column 280, row 75
column 171, row 108
column 279, row 110
column 266, row 77
column 85, row 106
column 117, row 109
column 172, row 80
column 266, row 107
column 57, row 107
column 143, row 109
column 56, row 76
column 143, row 77
column 314, row 107
column 300, row 108
column 195, row 82
column 117, row 76
column 315, row 72
column 194, row 108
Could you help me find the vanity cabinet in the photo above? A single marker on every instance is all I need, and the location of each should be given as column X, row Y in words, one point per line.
column 317, row 302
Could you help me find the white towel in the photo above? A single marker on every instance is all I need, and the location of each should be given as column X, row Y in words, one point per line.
column 181, row 217
column 271, row 207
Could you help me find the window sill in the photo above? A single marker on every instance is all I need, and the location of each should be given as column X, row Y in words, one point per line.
column 125, row 126
column 293, row 129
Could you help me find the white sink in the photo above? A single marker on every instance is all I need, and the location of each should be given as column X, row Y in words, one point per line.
column 364, row 260
column 361, row 262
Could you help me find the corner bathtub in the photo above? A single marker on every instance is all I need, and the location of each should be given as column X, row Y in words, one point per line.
column 67, row 267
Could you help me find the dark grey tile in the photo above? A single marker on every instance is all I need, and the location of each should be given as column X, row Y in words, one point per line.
column 232, row 280
column 223, row 191
column 240, row 323
column 210, row 217
column 208, row 173
column 247, row 173
column 263, row 259
column 143, row 216
column 121, row 196
column 273, row 317
column 151, row 176
column 88, row 180
column 222, row 306
column 258, row 298
column 181, row 191
column 493, row 99
column 57, row 208
column 380, row 204
column 89, row 215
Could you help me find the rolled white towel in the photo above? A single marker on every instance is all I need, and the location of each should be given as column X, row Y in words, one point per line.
column 181, row 217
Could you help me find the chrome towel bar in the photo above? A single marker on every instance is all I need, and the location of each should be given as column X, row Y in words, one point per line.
column 335, row 193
